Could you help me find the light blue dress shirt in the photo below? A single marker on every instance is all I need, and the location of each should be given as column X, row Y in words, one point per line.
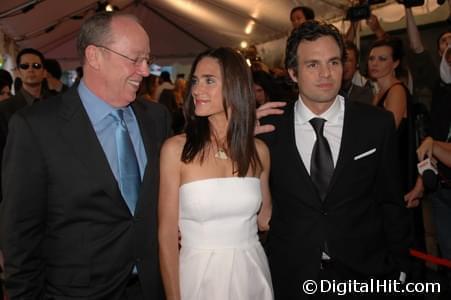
column 104, row 124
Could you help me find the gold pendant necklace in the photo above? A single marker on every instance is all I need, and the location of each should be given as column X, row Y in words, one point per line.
column 221, row 154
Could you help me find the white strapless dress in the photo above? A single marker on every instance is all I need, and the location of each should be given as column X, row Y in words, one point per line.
column 220, row 256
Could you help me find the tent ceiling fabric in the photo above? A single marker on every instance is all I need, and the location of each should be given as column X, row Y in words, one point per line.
column 179, row 29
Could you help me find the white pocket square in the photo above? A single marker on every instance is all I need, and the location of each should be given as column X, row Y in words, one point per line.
column 364, row 154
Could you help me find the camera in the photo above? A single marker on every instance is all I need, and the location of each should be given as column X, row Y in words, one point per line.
column 411, row 3
column 359, row 12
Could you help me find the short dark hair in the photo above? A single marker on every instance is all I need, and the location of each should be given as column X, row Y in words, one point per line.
column 310, row 31
column 238, row 95
column 351, row 46
column 264, row 80
column 308, row 12
column 29, row 51
column 53, row 67
column 165, row 76
column 5, row 79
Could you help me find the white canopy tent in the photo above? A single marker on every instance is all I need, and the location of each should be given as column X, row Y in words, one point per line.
column 179, row 29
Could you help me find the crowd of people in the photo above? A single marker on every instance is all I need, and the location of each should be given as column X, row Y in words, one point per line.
column 129, row 186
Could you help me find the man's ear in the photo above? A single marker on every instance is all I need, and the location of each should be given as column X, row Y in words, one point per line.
column 92, row 56
column 293, row 75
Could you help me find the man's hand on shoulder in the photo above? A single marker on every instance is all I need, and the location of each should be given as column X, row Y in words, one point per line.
column 267, row 109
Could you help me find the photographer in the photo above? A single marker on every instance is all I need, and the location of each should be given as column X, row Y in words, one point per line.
column 431, row 148
column 440, row 132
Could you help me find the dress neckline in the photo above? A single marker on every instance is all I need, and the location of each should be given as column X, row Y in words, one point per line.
column 218, row 178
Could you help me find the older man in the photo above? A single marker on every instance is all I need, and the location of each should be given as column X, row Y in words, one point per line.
column 80, row 178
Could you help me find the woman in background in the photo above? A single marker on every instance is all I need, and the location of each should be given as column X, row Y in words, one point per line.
column 384, row 66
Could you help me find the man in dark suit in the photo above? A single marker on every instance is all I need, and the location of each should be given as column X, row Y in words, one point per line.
column 30, row 69
column 338, row 212
column 77, row 222
column 31, row 73
column 349, row 90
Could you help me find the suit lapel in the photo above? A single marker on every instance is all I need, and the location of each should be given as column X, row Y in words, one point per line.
column 304, row 175
column 148, row 135
column 292, row 140
column 80, row 135
column 345, row 154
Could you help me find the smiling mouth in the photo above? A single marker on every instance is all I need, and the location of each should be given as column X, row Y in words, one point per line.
column 199, row 101
column 134, row 83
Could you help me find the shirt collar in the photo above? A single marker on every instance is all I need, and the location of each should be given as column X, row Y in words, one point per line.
column 28, row 97
column 96, row 108
column 303, row 114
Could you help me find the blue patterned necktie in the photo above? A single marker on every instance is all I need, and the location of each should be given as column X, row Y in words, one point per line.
column 128, row 177
column 321, row 164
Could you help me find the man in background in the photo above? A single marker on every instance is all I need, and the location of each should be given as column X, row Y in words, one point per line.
column 54, row 74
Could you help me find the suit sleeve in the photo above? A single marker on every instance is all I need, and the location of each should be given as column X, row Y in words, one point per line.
column 396, row 217
column 23, row 211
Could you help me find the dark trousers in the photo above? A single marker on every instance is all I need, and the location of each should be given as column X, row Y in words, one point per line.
column 333, row 275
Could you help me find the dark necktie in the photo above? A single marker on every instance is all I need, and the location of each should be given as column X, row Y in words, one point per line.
column 129, row 178
column 321, row 164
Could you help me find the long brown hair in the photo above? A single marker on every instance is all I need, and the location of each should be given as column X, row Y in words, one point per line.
column 238, row 95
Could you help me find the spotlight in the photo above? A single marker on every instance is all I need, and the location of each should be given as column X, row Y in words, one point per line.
column 105, row 6
column 109, row 8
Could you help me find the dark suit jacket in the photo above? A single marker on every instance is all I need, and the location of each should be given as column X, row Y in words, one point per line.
column 9, row 107
column 363, row 218
column 67, row 232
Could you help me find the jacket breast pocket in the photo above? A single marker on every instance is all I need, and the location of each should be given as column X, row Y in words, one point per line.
column 364, row 165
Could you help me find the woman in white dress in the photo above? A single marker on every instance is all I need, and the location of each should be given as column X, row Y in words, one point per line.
column 214, row 189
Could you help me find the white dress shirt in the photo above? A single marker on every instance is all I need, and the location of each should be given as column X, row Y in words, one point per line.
column 305, row 135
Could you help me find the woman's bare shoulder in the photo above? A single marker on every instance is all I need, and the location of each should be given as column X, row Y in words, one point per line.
column 174, row 144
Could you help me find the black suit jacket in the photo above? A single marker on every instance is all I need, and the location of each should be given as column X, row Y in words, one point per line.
column 67, row 231
column 8, row 108
column 363, row 218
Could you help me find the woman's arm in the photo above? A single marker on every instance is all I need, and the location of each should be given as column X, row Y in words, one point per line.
column 264, row 215
column 396, row 102
column 168, row 213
